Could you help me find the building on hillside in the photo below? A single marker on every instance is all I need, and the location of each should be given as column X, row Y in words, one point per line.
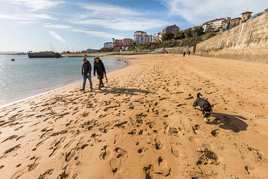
column 142, row 37
column 266, row 10
column 127, row 42
column 173, row 29
column 118, row 43
column 157, row 37
column 216, row 24
column 108, row 45
column 234, row 22
column 148, row 39
column 245, row 16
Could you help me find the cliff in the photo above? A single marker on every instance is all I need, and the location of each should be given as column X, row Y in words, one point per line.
column 248, row 42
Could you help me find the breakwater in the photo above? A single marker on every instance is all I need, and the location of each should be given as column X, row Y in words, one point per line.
column 44, row 55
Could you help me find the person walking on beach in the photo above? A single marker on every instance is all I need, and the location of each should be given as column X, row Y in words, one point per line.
column 86, row 73
column 99, row 67
column 184, row 54
column 189, row 53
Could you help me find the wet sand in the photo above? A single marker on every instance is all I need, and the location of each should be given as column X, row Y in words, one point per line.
column 142, row 124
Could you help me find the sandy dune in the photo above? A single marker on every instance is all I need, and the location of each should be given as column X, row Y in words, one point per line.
column 143, row 125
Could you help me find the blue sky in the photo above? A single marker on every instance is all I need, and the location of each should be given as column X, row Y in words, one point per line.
column 32, row 25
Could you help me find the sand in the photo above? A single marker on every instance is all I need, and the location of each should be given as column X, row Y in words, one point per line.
column 142, row 124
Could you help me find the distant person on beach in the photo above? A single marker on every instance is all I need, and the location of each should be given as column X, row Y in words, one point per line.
column 189, row 53
column 184, row 54
column 99, row 67
column 86, row 73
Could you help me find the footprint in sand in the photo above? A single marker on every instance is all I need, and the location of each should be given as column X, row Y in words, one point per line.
column 10, row 138
column 121, row 152
column 250, row 169
column 18, row 174
column 158, row 144
column 116, row 138
column 33, row 165
column 196, row 128
column 107, row 152
column 115, row 164
column 175, row 149
column 164, row 166
column 12, row 149
column 70, row 155
column 149, row 171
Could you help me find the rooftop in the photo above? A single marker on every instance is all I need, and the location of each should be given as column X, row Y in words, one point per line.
column 247, row 12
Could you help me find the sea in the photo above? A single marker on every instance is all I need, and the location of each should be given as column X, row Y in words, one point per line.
column 26, row 77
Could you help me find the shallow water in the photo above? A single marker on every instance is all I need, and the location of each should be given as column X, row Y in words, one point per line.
column 26, row 77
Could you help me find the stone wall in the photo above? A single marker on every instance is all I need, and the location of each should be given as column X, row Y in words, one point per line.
column 179, row 50
column 248, row 42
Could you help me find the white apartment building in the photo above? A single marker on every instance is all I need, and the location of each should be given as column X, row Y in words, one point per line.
column 142, row 37
column 157, row 37
column 108, row 45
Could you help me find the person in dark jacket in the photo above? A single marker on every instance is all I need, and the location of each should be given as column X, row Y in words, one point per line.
column 184, row 54
column 86, row 73
column 189, row 53
column 100, row 69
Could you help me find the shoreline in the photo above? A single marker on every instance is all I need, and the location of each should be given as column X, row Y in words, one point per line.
column 142, row 124
column 72, row 83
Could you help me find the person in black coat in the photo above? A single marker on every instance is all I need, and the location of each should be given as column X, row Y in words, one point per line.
column 86, row 73
column 100, row 69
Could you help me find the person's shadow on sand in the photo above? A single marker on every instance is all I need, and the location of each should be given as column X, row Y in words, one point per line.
column 229, row 122
column 130, row 91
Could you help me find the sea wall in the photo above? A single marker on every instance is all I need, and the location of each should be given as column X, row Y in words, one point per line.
column 179, row 50
column 248, row 42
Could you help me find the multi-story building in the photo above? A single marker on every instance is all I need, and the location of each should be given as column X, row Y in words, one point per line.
column 147, row 38
column 118, row 43
column 216, row 24
column 108, row 45
column 142, row 37
column 127, row 42
column 245, row 16
column 173, row 29
column 139, row 36
column 234, row 22
column 266, row 10
column 157, row 37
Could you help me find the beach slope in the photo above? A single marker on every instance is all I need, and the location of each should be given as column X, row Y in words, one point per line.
column 142, row 124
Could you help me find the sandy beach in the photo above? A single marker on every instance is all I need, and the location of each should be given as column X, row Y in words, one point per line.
column 142, row 124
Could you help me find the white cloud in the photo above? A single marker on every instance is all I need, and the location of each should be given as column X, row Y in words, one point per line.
column 98, row 34
column 123, row 24
column 114, row 17
column 35, row 5
column 199, row 11
column 57, row 36
column 26, row 17
column 106, row 10
column 57, row 26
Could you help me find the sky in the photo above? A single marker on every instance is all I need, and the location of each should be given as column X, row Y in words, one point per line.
column 38, row 25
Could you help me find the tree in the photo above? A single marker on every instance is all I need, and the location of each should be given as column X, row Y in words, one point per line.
column 167, row 36
column 179, row 35
column 188, row 33
column 197, row 31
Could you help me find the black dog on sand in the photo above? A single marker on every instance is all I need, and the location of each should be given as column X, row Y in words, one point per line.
column 204, row 105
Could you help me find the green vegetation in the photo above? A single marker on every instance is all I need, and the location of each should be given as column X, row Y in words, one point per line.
column 168, row 44
column 187, row 38
column 167, row 36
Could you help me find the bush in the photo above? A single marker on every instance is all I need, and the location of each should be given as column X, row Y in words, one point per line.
column 167, row 36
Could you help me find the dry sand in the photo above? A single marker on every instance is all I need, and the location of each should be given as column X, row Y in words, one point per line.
column 143, row 125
